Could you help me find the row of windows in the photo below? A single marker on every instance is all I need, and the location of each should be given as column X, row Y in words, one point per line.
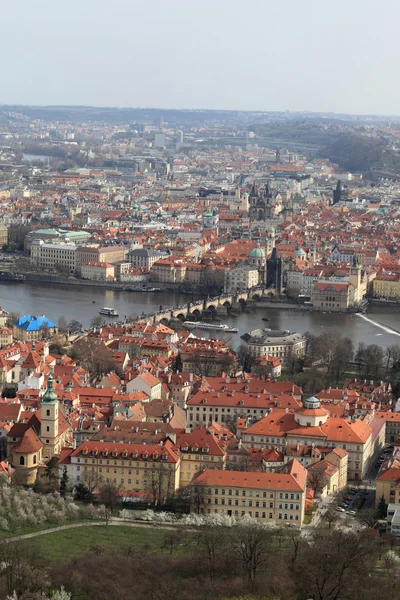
column 257, row 494
column 231, row 502
column 263, row 515
column 122, row 462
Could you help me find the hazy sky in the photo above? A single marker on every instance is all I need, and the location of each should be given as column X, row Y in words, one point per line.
column 342, row 56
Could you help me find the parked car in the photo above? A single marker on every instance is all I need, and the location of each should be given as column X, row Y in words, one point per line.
column 340, row 509
column 351, row 512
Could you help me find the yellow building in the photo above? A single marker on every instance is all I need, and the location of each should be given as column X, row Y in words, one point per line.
column 388, row 482
column 6, row 337
column 97, row 271
column 198, row 450
column 144, row 469
column 33, row 328
column 387, row 286
column 270, row 497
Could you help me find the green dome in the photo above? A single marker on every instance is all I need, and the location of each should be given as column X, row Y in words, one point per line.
column 257, row 252
column 50, row 395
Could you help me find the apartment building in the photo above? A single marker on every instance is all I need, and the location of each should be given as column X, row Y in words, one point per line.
column 242, row 277
column 168, row 271
column 198, row 450
column 6, row 336
column 387, row 286
column 388, row 481
column 97, row 271
column 143, row 258
column 96, row 253
column 269, row 497
column 226, row 406
column 133, row 467
column 53, row 256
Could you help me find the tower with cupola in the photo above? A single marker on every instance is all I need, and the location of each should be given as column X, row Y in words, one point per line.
column 49, row 420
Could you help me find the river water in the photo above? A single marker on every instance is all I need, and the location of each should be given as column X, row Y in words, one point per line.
column 75, row 302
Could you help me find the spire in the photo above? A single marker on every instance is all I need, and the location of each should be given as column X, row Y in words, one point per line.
column 50, row 395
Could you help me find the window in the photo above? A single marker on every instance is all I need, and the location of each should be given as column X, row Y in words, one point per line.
column 22, row 460
column 47, row 413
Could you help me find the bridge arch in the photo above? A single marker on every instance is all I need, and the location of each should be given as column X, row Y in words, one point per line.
column 164, row 321
column 196, row 313
column 256, row 296
column 181, row 316
column 212, row 308
column 227, row 304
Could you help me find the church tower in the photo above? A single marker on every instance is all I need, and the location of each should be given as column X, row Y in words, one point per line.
column 355, row 278
column 49, row 420
column 270, row 241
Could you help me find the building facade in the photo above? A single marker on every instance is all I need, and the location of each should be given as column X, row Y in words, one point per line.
column 277, row 498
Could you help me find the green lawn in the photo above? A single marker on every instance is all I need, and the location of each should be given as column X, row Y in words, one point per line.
column 64, row 545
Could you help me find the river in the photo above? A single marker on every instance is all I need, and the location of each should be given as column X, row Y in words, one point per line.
column 74, row 302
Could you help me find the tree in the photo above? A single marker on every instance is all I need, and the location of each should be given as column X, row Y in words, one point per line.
column 63, row 325
column 177, row 365
column 245, row 359
column 105, row 514
column 360, row 355
column 316, row 479
column 373, row 361
column 44, row 332
column 160, row 486
column 330, row 517
column 172, row 539
column 204, row 363
column 83, row 493
column 94, row 356
column 251, row 543
column 75, row 326
column 11, row 318
column 342, row 356
column 109, row 495
column 211, row 542
column 368, row 516
column 335, row 565
column 382, row 508
column 56, row 344
column 64, row 481
column 97, row 322
column 324, row 347
column 197, row 497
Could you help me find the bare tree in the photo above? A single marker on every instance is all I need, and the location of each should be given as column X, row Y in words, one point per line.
column 316, row 479
column 110, row 495
column 330, row 517
column 211, row 542
column 160, row 487
column 97, row 322
column 251, row 543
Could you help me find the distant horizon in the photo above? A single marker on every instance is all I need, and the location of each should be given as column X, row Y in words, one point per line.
column 199, row 109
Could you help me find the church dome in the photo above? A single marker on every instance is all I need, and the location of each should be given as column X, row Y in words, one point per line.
column 257, row 252
column 300, row 252
column 312, row 402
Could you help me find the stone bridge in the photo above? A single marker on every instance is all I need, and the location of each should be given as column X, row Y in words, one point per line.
column 193, row 310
